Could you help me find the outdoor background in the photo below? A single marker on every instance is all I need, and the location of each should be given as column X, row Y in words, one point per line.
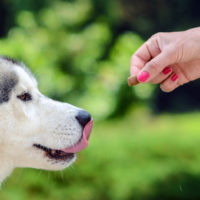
column 145, row 144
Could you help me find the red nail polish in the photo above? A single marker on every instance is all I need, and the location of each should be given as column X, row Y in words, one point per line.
column 143, row 76
column 167, row 70
column 174, row 77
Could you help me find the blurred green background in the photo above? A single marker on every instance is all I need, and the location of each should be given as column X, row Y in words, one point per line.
column 145, row 144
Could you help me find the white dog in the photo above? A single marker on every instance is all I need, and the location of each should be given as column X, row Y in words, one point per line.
column 36, row 131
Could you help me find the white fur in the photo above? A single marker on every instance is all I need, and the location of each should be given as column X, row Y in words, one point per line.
column 39, row 121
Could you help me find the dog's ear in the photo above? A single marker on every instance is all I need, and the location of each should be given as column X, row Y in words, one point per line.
column 11, row 60
column 7, row 82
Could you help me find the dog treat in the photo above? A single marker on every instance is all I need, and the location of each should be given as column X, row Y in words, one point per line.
column 132, row 80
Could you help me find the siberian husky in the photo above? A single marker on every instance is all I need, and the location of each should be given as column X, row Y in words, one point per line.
column 36, row 131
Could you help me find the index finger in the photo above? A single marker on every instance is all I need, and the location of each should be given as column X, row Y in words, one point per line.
column 139, row 59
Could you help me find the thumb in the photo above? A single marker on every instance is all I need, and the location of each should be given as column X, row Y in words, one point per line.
column 154, row 67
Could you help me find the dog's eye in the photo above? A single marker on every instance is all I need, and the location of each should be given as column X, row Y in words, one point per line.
column 24, row 97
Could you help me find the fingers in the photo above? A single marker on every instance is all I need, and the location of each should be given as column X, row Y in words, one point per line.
column 154, row 67
column 150, row 64
column 139, row 59
column 145, row 53
column 153, row 47
column 171, row 83
column 148, row 61
column 162, row 76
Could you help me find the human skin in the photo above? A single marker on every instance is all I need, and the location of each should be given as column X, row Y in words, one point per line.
column 169, row 59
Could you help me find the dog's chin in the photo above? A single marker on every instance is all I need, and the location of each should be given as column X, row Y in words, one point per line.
column 51, row 164
column 53, row 159
column 59, row 165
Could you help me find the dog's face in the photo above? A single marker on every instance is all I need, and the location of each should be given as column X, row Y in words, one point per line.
column 36, row 131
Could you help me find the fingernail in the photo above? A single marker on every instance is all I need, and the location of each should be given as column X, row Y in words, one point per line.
column 143, row 76
column 174, row 77
column 167, row 70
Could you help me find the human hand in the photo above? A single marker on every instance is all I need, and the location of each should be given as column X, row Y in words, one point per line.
column 169, row 59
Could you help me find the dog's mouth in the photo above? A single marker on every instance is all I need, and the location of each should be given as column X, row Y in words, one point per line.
column 54, row 153
column 68, row 153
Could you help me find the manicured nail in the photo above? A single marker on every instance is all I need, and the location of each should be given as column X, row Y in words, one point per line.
column 167, row 70
column 143, row 76
column 174, row 77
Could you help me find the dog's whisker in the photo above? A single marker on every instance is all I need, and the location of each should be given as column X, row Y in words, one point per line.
column 72, row 167
column 62, row 177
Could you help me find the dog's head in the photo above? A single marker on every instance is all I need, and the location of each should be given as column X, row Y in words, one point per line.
column 36, row 131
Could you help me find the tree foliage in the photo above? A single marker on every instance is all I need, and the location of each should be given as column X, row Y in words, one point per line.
column 72, row 58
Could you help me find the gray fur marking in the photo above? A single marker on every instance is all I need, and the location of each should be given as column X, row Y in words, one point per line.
column 7, row 83
column 20, row 64
column 13, row 61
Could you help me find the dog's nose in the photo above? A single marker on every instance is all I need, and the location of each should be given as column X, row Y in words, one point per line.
column 83, row 117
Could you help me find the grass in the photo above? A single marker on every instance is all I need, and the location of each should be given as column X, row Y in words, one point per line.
column 134, row 158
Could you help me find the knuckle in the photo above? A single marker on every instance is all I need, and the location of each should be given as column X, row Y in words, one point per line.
column 157, row 35
column 153, row 66
column 170, row 51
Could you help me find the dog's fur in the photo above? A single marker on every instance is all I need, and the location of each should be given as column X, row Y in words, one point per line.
column 37, row 120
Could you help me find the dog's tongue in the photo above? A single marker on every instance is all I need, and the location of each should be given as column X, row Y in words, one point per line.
column 83, row 142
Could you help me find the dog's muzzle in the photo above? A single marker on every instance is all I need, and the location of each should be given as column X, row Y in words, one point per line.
column 85, row 120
